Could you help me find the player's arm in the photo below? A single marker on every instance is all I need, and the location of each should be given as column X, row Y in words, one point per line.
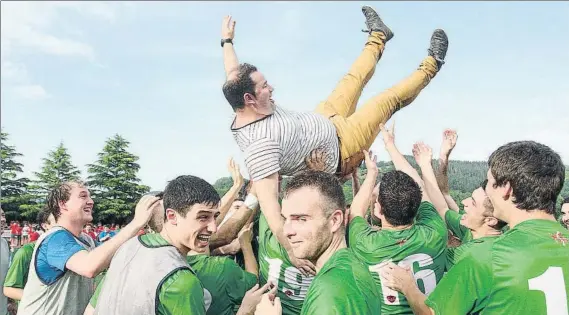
column 356, row 185
column 227, row 232
column 449, row 141
column 181, row 293
column 361, row 199
column 399, row 161
column 230, row 60
column 423, row 155
column 402, row 280
column 90, row 263
column 245, row 237
column 231, row 194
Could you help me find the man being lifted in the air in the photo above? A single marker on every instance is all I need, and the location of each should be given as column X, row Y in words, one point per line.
column 277, row 141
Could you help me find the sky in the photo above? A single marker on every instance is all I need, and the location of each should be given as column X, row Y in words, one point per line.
column 80, row 72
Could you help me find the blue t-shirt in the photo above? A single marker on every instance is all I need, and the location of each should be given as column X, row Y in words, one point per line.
column 103, row 234
column 53, row 253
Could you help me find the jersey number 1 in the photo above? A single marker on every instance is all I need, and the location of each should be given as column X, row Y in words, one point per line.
column 552, row 284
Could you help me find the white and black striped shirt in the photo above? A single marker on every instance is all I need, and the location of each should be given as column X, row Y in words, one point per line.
column 280, row 143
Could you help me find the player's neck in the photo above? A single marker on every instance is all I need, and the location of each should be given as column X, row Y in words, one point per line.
column 518, row 216
column 387, row 226
column 337, row 244
column 245, row 118
column 181, row 248
column 484, row 231
column 73, row 227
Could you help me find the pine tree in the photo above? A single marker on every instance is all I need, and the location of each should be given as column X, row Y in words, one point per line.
column 57, row 168
column 13, row 186
column 114, row 183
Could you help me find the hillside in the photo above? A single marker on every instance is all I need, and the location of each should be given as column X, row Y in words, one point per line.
column 464, row 177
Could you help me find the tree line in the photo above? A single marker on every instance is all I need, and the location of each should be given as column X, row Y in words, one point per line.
column 116, row 188
column 112, row 180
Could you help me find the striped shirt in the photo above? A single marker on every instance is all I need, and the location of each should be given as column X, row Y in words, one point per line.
column 280, row 143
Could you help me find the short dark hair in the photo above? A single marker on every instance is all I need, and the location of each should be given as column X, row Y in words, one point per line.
column 185, row 191
column 534, row 171
column 235, row 89
column 566, row 200
column 400, row 197
column 328, row 186
column 60, row 193
column 43, row 217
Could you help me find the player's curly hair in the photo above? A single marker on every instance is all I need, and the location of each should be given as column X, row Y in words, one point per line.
column 60, row 193
column 534, row 171
column 399, row 198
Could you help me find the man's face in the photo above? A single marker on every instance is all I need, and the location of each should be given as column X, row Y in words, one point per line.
column 474, row 208
column 262, row 100
column 194, row 230
column 88, row 228
column 306, row 227
column 106, row 229
column 565, row 215
column 79, row 207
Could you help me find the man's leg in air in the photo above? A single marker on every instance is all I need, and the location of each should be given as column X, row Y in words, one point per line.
column 345, row 96
column 358, row 131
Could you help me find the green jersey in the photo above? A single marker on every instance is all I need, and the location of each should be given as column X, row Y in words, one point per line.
column 17, row 276
column 422, row 246
column 275, row 266
column 452, row 219
column 224, row 282
column 180, row 292
column 525, row 271
column 343, row 286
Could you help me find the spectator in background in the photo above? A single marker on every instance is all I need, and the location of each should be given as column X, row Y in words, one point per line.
column 34, row 234
column 565, row 213
column 16, row 233
column 4, row 263
column 106, row 234
column 89, row 231
column 26, row 229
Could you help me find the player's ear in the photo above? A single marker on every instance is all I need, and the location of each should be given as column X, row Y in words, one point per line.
column 490, row 221
column 337, row 220
column 377, row 210
column 171, row 216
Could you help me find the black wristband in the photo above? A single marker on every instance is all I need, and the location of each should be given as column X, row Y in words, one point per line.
column 226, row 40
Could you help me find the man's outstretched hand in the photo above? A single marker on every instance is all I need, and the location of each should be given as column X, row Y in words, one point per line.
column 449, row 141
column 227, row 28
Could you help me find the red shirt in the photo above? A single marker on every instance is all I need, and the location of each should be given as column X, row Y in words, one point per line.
column 100, row 229
column 14, row 228
column 34, row 236
column 93, row 235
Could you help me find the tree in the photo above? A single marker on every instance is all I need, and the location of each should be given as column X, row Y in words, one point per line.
column 13, row 186
column 113, row 179
column 57, row 168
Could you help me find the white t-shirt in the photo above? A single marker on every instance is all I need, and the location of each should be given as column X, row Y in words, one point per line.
column 26, row 231
column 4, row 265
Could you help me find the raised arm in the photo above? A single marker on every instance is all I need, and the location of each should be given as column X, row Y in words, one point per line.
column 231, row 194
column 449, row 141
column 423, row 155
column 90, row 264
column 399, row 161
column 245, row 237
column 361, row 199
column 230, row 61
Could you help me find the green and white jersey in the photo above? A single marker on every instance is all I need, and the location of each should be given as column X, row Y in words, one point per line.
column 525, row 271
column 343, row 286
column 224, row 282
column 275, row 266
column 422, row 246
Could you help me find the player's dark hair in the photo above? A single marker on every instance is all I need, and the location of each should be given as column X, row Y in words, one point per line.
column 399, row 198
column 534, row 171
column 235, row 89
column 328, row 186
column 185, row 191
column 566, row 200
column 43, row 217
column 60, row 193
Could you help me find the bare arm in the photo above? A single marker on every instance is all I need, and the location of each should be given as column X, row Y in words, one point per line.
column 231, row 194
column 13, row 293
column 423, row 156
column 230, row 61
column 449, row 141
column 90, row 264
column 228, row 231
column 361, row 199
column 356, row 182
column 245, row 238
column 399, row 161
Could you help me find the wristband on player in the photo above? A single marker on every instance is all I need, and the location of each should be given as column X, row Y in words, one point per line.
column 251, row 202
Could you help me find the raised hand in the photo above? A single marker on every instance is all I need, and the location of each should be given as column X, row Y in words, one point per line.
column 245, row 236
column 449, row 141
column 370, row 161
column 143, row 210
column 306, row 267
column 235, row 172
column 227, row 28
column 315, row 161
column 388, row 135
column 422, row 153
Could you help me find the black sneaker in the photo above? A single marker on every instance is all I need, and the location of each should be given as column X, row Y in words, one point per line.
column 375, row 24
column 439, row 46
